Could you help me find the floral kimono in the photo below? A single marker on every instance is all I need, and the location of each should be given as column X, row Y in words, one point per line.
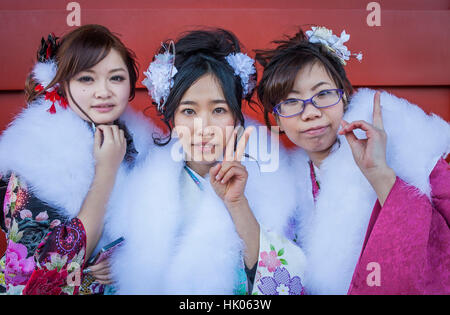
column 46, row 168
column 45, row 251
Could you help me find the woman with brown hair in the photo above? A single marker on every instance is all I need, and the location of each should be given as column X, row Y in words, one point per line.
column 61, row 157
column 372, row 185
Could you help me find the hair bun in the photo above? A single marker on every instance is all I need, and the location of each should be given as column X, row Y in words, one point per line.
column 215, row 42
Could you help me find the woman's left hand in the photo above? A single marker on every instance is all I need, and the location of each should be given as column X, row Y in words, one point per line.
column 230, row 177
column 370, row 153
column 101, row 272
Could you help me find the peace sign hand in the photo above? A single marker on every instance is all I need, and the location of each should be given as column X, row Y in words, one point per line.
column 230, row 177
column 228, row 180
column 370, row 153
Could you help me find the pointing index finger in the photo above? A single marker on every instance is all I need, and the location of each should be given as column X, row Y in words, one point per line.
column 377, row 115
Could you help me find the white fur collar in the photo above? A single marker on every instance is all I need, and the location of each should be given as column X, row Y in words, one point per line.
column 271, row 200
column 204, row 260
column 332, row 231
column 53, row 153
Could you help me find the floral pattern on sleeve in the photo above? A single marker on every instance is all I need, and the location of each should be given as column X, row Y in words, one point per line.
column 45, row 252
column 281, row 266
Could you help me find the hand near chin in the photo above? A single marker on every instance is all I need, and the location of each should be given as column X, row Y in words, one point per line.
column 370, row 153
column 230, row 177
column 109, row 147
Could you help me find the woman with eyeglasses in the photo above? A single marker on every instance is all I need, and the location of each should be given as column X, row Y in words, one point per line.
column 373, row 187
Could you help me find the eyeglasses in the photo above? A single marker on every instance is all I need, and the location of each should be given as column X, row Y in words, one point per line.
column 295, row 106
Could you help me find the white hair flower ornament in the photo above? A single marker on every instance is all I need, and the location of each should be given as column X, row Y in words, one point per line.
column 159, row 77
column 244, row 67
column 334, row 43
column 160, row 73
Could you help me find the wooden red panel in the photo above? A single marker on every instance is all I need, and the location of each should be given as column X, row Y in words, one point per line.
column 226, row 4
column 409, row 48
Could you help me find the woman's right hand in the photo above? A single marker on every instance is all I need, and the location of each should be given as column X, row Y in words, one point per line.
column 109, row 147
column 109, row 151
column 230, row 177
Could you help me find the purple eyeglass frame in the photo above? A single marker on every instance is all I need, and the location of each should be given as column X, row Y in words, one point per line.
column 309, row 100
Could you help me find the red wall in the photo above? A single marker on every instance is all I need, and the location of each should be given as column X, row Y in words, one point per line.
column 408, row 54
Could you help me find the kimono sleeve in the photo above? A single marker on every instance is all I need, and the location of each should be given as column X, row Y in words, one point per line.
column 280, row 267
column 407, row 245
column 440, row 183
column 45, row 251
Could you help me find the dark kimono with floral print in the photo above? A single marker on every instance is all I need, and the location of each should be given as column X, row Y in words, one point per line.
column 45, row 251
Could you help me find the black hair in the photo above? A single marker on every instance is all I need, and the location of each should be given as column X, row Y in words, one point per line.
column 201, row 52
